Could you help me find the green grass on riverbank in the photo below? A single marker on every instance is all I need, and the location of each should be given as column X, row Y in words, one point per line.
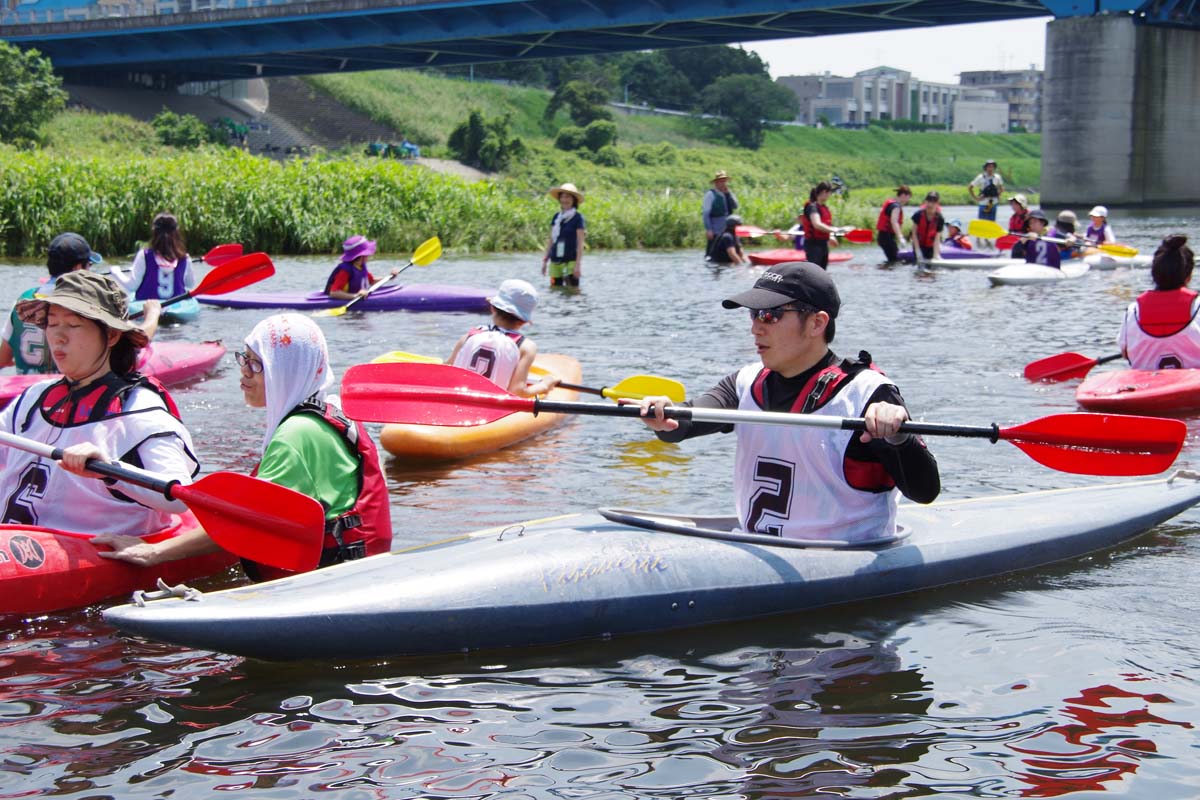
column 105, row 176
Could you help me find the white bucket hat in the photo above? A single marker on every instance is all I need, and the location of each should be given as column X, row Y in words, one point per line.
column 516, row 297
column 1099, row 211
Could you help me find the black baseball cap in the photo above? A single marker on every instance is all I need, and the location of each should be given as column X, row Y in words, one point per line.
column 799, row 282
column 68, row 249
column 1037, row 213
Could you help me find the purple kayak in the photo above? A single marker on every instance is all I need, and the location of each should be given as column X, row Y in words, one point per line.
column 949, row 251
column 413, row 297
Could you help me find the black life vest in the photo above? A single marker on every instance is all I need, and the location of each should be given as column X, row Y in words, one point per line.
column 66, row 406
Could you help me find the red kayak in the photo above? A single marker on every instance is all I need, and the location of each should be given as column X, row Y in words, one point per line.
column 170, row 362
column 44, row 570
column 784, row 256
column 1134, row 391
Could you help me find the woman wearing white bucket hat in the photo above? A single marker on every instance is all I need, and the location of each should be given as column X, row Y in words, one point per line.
column 564, row 251
column 1099, row 231
column 499, row 352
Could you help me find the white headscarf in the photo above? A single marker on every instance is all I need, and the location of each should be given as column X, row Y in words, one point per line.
column 295, row 364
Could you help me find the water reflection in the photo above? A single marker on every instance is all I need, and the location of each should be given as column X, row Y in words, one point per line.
column 956, row 692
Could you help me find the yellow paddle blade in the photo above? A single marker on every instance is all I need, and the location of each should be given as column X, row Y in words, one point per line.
column 985, row 229
column 429, row 251
column 330, row 312
column 1118, row 249
column 399, row 356
column 636, row 387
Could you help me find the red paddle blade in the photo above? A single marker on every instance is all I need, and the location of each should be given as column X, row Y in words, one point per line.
column 221, row 254
column 426, row 394
column 1061, row 367
column 749, row 231
column 1006, row 242
column 1100, row 444
column 859, row 235
column 235, row 274
column 257, row 519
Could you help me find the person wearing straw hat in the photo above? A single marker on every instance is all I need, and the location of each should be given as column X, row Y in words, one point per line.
column 990, row 185
column 99, row 408
column 564, row 250
column 351, row 278
column 1099, row 231
column 806, row 482
column 1018, row 223
column 719, row 202
column 499, row 352
column 308, row 446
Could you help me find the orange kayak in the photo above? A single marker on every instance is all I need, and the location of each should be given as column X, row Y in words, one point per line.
column 443, row 443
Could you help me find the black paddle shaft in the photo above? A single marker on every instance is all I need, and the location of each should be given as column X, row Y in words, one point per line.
column 735, row 417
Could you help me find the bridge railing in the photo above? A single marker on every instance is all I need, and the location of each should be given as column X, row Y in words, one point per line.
column 35, row 13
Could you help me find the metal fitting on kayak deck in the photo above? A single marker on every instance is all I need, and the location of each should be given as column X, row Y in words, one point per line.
column 1188, row 474
column 181, row 590
column 520, row 529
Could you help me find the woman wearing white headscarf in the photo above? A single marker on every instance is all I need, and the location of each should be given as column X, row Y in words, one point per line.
column 308, row 446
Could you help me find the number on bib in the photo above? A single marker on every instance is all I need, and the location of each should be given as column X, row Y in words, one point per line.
column 772, row 500
column 21, row 508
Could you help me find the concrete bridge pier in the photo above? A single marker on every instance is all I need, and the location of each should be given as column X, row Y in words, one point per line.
column 1120, row 114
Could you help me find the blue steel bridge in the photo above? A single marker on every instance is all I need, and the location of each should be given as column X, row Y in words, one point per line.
column 174, row 41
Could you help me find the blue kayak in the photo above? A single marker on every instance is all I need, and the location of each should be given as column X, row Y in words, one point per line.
column 588, row 576
column 184, row 310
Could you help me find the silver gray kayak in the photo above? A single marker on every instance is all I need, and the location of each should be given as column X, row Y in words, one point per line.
column 585, row 576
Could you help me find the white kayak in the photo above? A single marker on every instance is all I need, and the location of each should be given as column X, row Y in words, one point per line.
column 1022, row 274
column 1106, row 261
column 971, row 263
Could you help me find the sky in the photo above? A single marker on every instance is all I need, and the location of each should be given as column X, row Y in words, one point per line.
column 931, row 54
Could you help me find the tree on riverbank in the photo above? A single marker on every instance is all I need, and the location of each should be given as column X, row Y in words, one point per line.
column 30, row 93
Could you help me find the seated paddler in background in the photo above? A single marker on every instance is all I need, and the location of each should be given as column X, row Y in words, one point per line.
column 1037, row 249
column 163, row 270
column 100, row 408
column 805, row 482
column 500, row 352
column 23, row 345
column 1160, row 329
column 351, row 278
column 308, row 446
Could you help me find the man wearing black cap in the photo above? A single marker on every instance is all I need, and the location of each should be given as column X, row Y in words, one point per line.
column 24, row 346
column 800, row 482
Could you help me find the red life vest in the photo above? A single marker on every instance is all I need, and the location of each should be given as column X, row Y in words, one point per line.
column 926, row 229
column 364, row 530
column 810, row 232
column 63, row 405
column 961, row 241
column 1162, row 314
column 884, row 223
column 1016, row 223
column 869, row 476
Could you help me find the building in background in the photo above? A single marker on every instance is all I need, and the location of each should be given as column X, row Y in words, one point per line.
column 880, row 93
column 986, row 101
column 980, row 111
column 1021, row 89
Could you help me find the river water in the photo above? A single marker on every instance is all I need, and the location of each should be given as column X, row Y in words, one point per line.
column 1078, row 678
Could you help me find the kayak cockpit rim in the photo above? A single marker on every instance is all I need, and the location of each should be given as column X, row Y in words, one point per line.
column 725, row 529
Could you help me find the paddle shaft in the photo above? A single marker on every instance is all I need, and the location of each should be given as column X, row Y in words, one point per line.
column 127, row 473
column 373, row 287
column 733, row 416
